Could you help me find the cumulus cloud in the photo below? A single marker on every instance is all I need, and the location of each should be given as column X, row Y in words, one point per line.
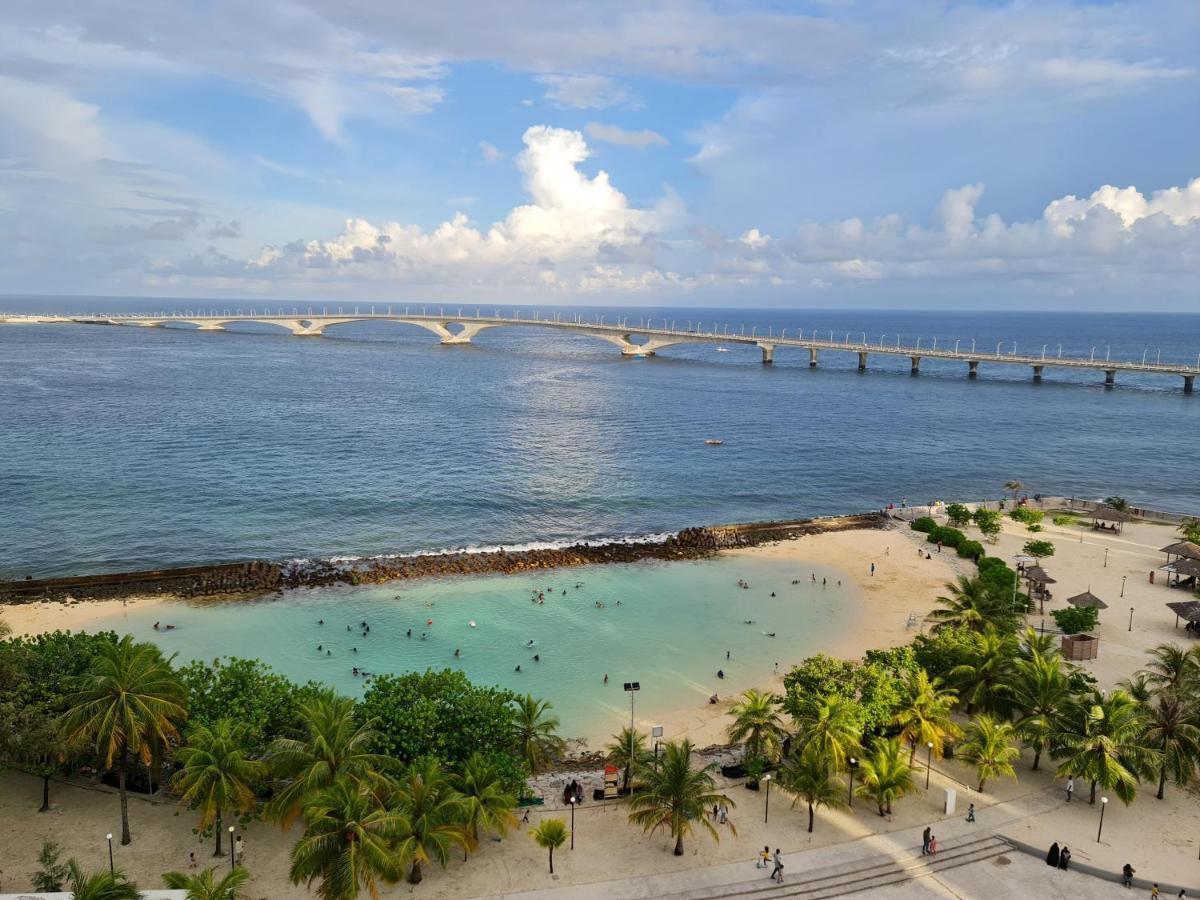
column 614, row 134
column 491, row 153
column 583, row 91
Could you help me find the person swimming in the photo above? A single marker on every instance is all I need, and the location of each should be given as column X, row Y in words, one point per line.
column 769, row 633
column 456, row 651
column 156, row 626
column 606, row 678
column 347, row 627
column 354, row 671
column 518, row 668
column 537, row 657
column 329, row 653
column 319, row 648
column 320, row 621
column 720, row 673
column 529, row 643
column 353, row 649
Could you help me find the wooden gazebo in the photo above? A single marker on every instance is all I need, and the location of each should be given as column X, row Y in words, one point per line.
column 1038, row 579
column 1185, row 609
column 1184, row 570
column 1183, row 550
column 1102, row 514
column 1087, row 599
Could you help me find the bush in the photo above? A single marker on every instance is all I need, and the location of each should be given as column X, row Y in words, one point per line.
column 1076, row 619
column 971, row 550
column 1066, row 521
column 987, row 521
column 958, row 515
column 1039, row 549
column 990, row 563
column 1033, row 528
column 940, row 651
column 1027, row 515
column 924, row 524
column 951, row 537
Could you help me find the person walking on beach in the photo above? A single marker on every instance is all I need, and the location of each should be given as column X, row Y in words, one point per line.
column 1064, row 859
column 971, row 813
column 1127, row 875
column 933, row 845
column 925, row 841
column 777, row 872
column 764, row 858
column 1154, row 891
column 1070, row 788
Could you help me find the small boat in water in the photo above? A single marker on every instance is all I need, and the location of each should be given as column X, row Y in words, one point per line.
column 714, row 442
column 722, row 349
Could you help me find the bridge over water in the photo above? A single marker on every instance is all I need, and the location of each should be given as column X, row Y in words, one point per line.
column 642, row 340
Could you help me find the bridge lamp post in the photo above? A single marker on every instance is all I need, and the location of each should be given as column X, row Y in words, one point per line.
column 1158, row 357
column 1100, row 830
column 754, row 331
column 918, row 343
column 1107, row 351
column 935, row 342
column 1092, row 358
column 972, row 345
column 770, row 331
column 998, row 343
column 1044, row 346
column 783, row 332
column 881, row 337
column 846, row 339
column 1060, row 351
column 864, row 338
column 1144, row 352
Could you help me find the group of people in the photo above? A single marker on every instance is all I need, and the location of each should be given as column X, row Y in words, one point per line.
column 929, row 844
column 765, row 859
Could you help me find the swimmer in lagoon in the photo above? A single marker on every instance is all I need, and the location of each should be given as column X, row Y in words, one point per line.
column 537, row 657
column 606, row 678
column 410, row 632
column 518, row 668
column 720, row 673
column 320, row 621
column 456, row 652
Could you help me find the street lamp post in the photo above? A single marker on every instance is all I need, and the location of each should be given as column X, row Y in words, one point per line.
column 232, row 851
column 111, row 868
column 1131, row 618
column 928, row 762
column 1123, row 577
column 1105, row 557
column 572, row 802
column 767, row 802
column 631, row 687
column 850, row 794
column 1103, row 804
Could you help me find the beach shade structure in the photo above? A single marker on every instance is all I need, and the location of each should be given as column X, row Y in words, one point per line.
column 1038, row 578
column 1185, row 609
column 1186, row 572
column 1105, row 517
column 1087, row 599
column 1182, row 549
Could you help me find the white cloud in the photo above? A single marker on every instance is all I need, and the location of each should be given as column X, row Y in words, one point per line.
column 614, row 134
column 491, row 153
column 583, row 91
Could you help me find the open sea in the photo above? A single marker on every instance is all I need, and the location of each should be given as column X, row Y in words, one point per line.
column 125, row 448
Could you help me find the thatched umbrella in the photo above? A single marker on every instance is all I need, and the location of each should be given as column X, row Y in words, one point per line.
column 1087, row 599
column 1182, row 549
column 1185, row 609
column 1108, row 514
column 1037, row 575
column 1184, row 568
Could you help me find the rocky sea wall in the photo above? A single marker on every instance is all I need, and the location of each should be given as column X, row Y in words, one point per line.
column 259, row 576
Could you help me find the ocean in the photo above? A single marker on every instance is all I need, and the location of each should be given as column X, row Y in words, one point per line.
column 127, row 448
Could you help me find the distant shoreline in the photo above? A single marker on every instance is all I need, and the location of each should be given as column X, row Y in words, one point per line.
column 262, row 576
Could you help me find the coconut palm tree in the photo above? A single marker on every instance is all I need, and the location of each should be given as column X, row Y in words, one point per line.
column 969, row 603
column 1035, row 643
column 806, row 776
column 757, row 721
column 924, row 714
column 1101, row 738
column 885, row 776
column 206, row 885
column 1173, row 668
column 1041, row 691
column 432, row 818
column 349, row 842
column 831, row 727
column 99, row 885
column 534, row 732
column 676, row 796
column 1138, row 686
column 127, row 707
column 628, row 751
column 334, row 744
column 217, row 775
column 989, row 749
column 550, row 834
column 1174, row 729
column 485, row 803
column 984, row 683
column 1016, row 487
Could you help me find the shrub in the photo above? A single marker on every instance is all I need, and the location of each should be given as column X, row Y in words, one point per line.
column 1066, row 520
column 951, row 537
column 988, row 521
column 924, row 524
column 1033, row 528
column 1118, row 503
column 1076, row 619
column 958, row 515
column 971, row 550
column 1027, row 515
column 939, row 652
column 1038, row 549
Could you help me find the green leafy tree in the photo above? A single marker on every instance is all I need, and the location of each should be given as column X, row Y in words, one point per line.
column 100, row 885
column 885, row 776
column 349, row 842
column 128, row 706
column 676, row 796
column 432, row 818
column 51, row 875
column 1075, row 619
column 1173, row 728
column 484, row 803
column 924, row 718
column 206, row 885
column 989, row 749
column 1037, row 643
column 958, row 515
column 806, row 776
column 1120, row 504
column 984, row 682
column 5, row 629
column 217, row 775
column 334, row 745
column 1041, row 692
column 970, row 603
column 1016, row 487
column 829, row 728
column 1189, row 530
column 1038, row 549
column 31, row 740
column 938, row 652
column 534, row 731
column 1101, row 738
column 987, row 521
column 627, row 750
column 550, row 834
column 757, row 721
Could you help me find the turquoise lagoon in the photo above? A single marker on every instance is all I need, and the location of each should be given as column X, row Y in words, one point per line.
column 670, row 632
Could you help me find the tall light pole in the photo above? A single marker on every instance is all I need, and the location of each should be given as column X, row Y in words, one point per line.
column 767, row 802
column 111, row 868
column 853, row 764
column 1103, row 804
column 232, row 851
column 632, row 687
column 1123, row 577
column 1131, row 618
column 928, row 762
column 572, row 802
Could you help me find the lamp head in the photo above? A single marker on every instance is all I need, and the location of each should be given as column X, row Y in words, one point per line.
column 231, row 829
column 108, row 837
column 1104, row 800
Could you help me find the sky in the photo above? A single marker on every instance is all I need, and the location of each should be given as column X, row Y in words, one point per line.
column 966, row 155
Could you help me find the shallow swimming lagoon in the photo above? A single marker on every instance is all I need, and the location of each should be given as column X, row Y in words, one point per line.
column 670, row 631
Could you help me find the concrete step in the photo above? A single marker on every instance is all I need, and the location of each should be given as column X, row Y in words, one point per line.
column 870, row 873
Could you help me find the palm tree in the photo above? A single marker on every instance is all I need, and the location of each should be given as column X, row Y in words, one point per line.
column 985, row 682
column 885, row 775
column 551, row 834
column 756, row 720
column 1173, row 668
column 807, row 776
column 831, row 727
column 432, row 818
column 1174, row 729
column 217, row 774
column 534, row 732
column 1042, row 691
column 127, row 706
column 970, row 604
column 989, row 749
column 334, row 744
column 100, row 885
column 628, row 751
column 924, row 716
column 1035, row 643
column 1102, row 738
column 676, row 796
column 485, row 802
column 1138, row 686
column 1015, row 486
column 206, row 885
column 349, row 842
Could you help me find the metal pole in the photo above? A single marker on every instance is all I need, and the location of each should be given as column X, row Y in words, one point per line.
column 1106, row 557
column 767, row 803
column 232, row 851
column 928, row 763
column 1131, row 618
column 111, row 868
column 850, row 793
column 572, row 823
column 1123, row 577
column 1103, row 804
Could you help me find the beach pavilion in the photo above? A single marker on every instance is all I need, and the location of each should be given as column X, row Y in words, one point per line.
column 1184, row 570
column 1102, row 514
column 1185, row 609
column 1183, row 550
column 1038, row 580
column 1087, row 599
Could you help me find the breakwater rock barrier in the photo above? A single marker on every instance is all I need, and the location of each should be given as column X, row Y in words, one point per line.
column 260, row 576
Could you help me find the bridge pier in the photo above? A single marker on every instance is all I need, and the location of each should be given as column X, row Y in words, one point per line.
column 916, row 365
column 973, row 368
column 1037, row 373
column 768, row 353
column 212, row 326
column 1189, row 383
column 1110, row 377
column 862, row 360
column 464, row 335
column 812, row 357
